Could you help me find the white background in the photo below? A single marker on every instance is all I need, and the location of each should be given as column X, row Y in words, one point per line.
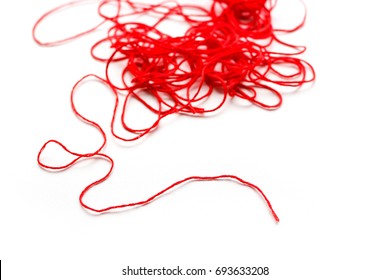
column 322, row 159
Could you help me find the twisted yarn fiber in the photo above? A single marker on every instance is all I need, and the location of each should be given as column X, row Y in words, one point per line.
column 227, row 50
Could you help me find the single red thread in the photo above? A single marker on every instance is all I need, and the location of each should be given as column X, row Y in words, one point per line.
column 226, row 50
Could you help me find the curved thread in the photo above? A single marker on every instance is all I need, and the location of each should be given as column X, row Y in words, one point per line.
column 227, row 49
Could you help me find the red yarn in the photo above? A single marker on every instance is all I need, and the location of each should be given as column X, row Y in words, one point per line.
column 226, row 50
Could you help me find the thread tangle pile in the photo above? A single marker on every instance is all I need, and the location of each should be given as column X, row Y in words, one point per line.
column 228, row 51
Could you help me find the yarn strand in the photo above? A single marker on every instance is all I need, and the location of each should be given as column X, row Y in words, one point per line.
column 229, row 50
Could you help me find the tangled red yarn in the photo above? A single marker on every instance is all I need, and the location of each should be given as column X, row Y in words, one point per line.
column 226, row 50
